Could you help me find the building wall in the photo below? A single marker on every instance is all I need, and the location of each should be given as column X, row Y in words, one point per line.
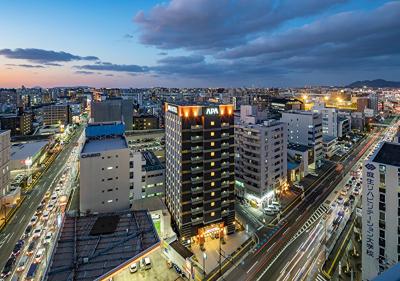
column 56, row 114
column 103, row 189
column 5, row 150
column 113, row 110
column 380, row 218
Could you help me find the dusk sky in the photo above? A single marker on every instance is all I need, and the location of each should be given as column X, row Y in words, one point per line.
column 198, row 43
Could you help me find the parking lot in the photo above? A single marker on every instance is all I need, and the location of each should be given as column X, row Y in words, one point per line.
column 159, row 271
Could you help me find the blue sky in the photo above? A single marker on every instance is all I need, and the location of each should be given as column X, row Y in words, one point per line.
column 200, row 43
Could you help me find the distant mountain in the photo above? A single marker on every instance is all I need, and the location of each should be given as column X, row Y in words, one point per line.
column 377, row 83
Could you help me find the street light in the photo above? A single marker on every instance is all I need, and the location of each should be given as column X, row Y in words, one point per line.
column 204, row 265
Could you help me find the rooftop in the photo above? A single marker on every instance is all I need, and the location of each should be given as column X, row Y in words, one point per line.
column 195, row 103
column 92, row 246
column 326, row 138
column 152, row 162
column 182, row 250
column 298, row 147
column 22, row 151
column 388, row 154
column 104, row 144
column 102, row 129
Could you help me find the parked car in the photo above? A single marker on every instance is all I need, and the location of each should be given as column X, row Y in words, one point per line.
column 269, row 212
column 145, row 263
column 133, row 267
column 22, row 263
column 276, row 204
column 340, row 200
column 8, row 267
column 31, row 248
column 39, row 255
column 48, row 237
column 33, row 220
column 18, row 247
column 37, row 232
column 343, row 192
column 28, row 231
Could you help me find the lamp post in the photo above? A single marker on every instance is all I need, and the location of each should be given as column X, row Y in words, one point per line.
column 204, row 265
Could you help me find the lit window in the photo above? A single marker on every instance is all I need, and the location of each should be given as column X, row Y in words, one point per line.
column 212, row 143
column 212, row 184
column 212, row 154
column 212, row 174
column 213, row 193
column 212, row 164
column 212, row 134
column 212, row 214
column 109, row 168
column 212, row 204
column 212, row 123
column 109, row 201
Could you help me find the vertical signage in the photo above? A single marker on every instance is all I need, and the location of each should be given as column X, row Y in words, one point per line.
column 370, row 210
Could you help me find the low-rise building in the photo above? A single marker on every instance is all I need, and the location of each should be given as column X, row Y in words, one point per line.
column 329, row 144
column 145, row 122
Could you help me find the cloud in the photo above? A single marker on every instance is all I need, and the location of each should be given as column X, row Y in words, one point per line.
column 162, row 53
column 53, row 64
column 84, row 72
column 43, row 56
column 26, row 65
column 109, row 75
column 216, row 25
column 106, row 66
column 128, row 36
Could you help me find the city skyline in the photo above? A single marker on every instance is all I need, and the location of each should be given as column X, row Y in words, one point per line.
column 198, row 43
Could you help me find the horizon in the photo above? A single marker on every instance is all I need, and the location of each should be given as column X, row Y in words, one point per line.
column 198, row 44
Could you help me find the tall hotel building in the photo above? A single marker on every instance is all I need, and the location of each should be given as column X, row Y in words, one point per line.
column 200, row 168
column 381, row 211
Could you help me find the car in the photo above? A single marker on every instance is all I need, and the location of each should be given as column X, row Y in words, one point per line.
column 22, row 263
column 31, row 272
column 48, row 237
column 28, row 231
column 145, row 263
column 333, row 205
column 50, row 207
column 45, row 215
column 269, row 212
column 47, row 195
column 133, row 267
column 31, row 248
column 340, row 200
column 37, row 232
column 18, row 247
column 276, row 204
column 343, row 192
column 8, row 267
column 273, row 208
column 39, row 255
column 347, row 187
column 33, row 220
column 54, row 197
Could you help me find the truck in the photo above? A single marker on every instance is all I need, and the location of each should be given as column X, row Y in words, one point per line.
column 32, row 271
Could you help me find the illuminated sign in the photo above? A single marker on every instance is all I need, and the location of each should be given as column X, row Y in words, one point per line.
column 370, row 210
column 173, row 109
column 212, row 111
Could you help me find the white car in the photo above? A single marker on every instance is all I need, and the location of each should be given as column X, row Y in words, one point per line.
column 145, row 263
column 37, row 232
column 33, row 220
column 39, row 255
column 273, row 208
column 48, row 237
column 269, row 211
column 276, row 204
column 133, row 267
column 45, row 215
column 50, row 207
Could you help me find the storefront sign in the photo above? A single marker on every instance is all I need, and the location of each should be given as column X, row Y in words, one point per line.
column 212, row 111
column 172, row 109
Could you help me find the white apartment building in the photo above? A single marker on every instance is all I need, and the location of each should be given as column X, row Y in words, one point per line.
column 381, row 211
column 260, row 160
column 305, row 128
column 104, row 169
column 329, row 120
column 5, row 149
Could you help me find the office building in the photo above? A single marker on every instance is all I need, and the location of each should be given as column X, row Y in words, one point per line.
column 362, row 103
column 329, row 121
column 374, row 103
column 5, row 150
column 305, row 128
column 113, row 109
column 57, row 114
column 145, row 122
column 329, row 144
column 18, row 124
column 381, row 210
column 260, row 160
column 343, row 125
column 104, row 169
column 200, row 168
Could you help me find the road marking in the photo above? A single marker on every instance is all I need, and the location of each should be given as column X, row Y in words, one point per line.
column 247, row 272
column 22, row 218
column 260, row 228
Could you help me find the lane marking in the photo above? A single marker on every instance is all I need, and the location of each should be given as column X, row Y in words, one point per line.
column 247, row 272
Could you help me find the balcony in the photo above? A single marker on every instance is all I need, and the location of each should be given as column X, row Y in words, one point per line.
column 197, row 210
column 196, row 127
column 197, row 180
column 224, row 193
column 224, row 155
column 224, row 213
column 224, row 164
column 197, row 189
column 196, row 148
column 196, row 169
column 225, row 125
column 225, row 203
column 224, row 144
column 197, row 220
column 224, row 174
column 196, row 138
column 197, row 199
column 196, row 159
column 225, row 184
column 224, row 135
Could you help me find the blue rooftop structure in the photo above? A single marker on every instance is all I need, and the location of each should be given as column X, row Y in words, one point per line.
column 392, row 274
column 105, row 129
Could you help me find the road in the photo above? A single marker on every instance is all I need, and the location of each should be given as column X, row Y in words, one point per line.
column 12, row 232
column 255, row 266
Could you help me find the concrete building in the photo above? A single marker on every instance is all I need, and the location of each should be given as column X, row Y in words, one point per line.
column 104, row 169
column 329, row 144
column 113, row 109
column 146, row 175
column 145, row 122
column 305, row 128
column 344, row 125
column 18, row 124
column 57, row 114
column 27, row 155
column 329, row 121
column 200, row 169
column 5, row 151
column 381, row 210
column 260, row 160
column 362, row 103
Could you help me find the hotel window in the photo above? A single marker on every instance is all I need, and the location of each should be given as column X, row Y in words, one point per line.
column 212, row 164
column 212, row 123
column 212, row 154
column 212, row 143
column 212, row 174
column 212, row 184
column 212, row 204
column 213, row 193
column 212, row 134
column 212, row 214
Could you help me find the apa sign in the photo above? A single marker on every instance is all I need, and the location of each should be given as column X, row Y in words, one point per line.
column 212, row 111
column 173, row 109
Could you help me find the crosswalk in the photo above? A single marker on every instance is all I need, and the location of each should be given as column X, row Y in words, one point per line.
column 320, row 278
column 314, row 217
